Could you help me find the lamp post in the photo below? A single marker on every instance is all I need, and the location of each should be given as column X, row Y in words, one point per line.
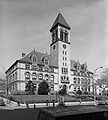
column 94, row 86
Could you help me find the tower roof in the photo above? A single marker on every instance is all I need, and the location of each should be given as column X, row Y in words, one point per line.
column 60, row 21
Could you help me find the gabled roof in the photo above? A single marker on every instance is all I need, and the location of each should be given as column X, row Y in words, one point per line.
column 73, row 63
column 39, row 57
column 60, row 21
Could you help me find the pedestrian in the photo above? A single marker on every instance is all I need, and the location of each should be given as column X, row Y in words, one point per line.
column 34, row 106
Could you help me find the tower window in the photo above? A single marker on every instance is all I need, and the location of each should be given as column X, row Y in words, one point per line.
column 61, row 35
column 66, row 36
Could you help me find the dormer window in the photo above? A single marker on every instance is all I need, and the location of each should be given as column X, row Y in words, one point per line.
column 27, row 66
column 34, row 59
column 46, row 61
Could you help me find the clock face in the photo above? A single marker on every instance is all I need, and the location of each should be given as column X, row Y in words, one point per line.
column 64, row 46
column 54, row 47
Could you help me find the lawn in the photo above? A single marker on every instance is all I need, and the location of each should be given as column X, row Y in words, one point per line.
column 40, row 98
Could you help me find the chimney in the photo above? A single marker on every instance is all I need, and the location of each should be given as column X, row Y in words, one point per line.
column 23, row 54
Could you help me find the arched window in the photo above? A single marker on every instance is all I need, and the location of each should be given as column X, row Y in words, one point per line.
column 40, row 76
column 27, row 75
column 46, row 77
column 52, row 77
column 34, row 76
column 52, row 87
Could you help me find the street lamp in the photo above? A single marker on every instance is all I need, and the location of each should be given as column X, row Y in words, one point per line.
column 94, row 86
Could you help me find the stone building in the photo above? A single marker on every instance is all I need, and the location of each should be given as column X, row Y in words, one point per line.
column 56, row 68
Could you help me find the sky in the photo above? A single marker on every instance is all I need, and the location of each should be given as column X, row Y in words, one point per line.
column 25, row 25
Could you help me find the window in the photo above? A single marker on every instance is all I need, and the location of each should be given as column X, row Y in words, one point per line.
column 88, row 81
column 61, row 77
column 81, row 73
column 74, row 80
column 46, row 69
column 74, row 73
column 34, row 67
column 34, row 76
column 74, row 88
column 46, row 77
column 78, row 80
column 65, row 64
column 40, row 76
column 52, row 69
column 41, row 68
column 27, row 66
column 62, row 71
column 66, row 36
column 78, row 87
column 78, row 73
column 27, row 75
column 46, row 61
column 61, row 34
column 53, row 37
column 56, row 34
column 52, row 87
column 67, row 78
column 52, row 77
column 65, row 53
column 34, row 59
column 65, row 58
column 88, row 88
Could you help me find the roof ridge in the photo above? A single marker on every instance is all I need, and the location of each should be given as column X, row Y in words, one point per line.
column 61, row 21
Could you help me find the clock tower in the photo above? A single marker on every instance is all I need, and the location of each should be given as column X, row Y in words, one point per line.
column 60, row 49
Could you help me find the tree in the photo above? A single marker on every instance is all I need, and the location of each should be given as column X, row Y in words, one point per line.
column 103, row 81
column 43, row 88
column 63, row 91
column 30, row 88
